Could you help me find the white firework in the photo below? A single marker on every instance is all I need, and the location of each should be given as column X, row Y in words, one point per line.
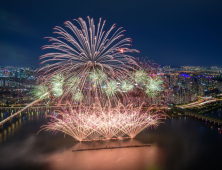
column 85, row 51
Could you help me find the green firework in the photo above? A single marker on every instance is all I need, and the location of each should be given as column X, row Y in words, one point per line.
column 78, row 96
column 57, row 85
column 126, row 86
column 111, row 88
column 153, row 86
column 40, row 91
column 140, row 76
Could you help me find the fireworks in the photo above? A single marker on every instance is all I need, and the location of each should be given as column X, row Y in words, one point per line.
column 153, row 86
column 111, row 88
column 78, row 96
column 140, row 76
column 126, row 86
column 40, row 92
column 88, row 54
column 96, row 122
column 57, row 85
column 94, row 75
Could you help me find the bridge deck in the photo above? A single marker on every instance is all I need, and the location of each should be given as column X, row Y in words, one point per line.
column 206, row 117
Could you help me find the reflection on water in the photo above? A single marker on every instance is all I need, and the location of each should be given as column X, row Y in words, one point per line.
column 123, row 159
column 10, row 126
column 179, row 143
column 216, row 113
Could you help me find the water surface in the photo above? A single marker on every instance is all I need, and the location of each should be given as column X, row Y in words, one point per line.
column 179, row 143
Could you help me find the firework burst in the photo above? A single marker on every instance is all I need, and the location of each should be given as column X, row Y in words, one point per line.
column 102, row 87
column 96, row 122
column 153, row 86
column 89, row 57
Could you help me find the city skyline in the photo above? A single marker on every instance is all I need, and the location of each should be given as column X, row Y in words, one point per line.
column 110, row 84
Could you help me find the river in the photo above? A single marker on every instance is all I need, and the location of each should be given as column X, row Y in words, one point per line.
column 179, row 143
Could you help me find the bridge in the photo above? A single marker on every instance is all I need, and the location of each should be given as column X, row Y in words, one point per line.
column 206, row 118
column 24, row 108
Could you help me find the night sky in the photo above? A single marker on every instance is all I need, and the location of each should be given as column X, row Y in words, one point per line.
column 170, row 32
